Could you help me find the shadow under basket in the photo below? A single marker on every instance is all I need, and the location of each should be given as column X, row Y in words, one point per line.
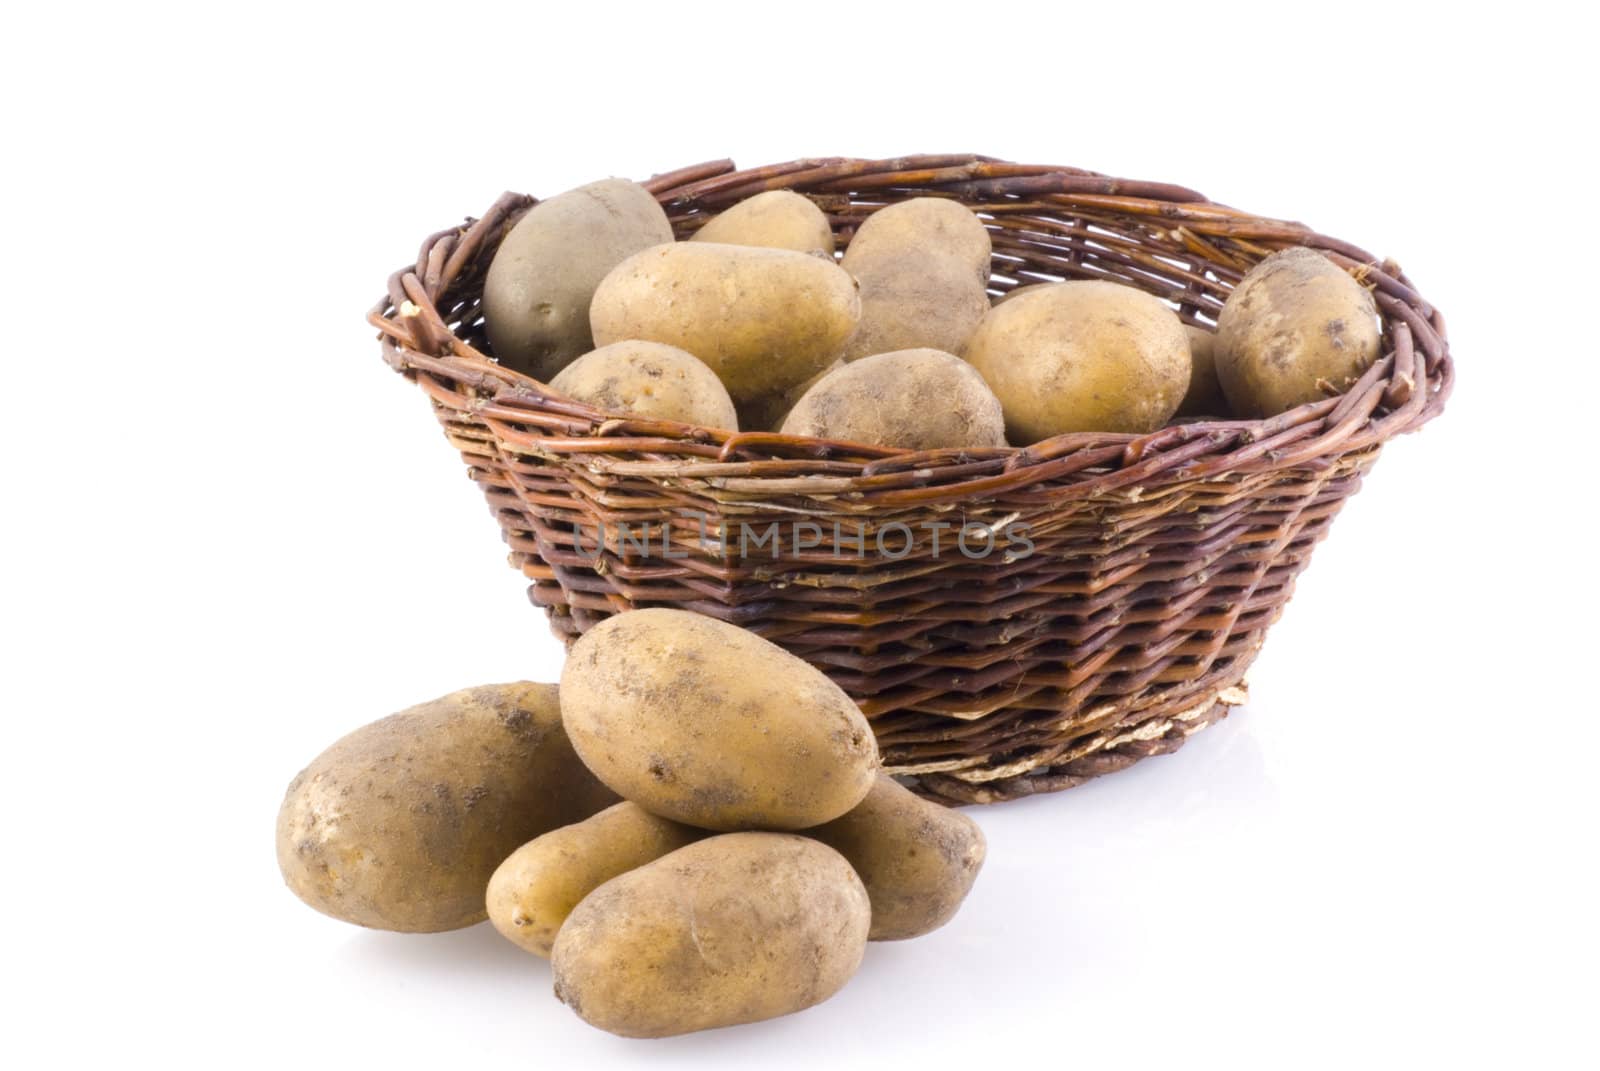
column 989, row 670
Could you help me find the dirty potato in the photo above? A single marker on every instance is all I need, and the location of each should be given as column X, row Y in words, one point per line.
column 917, row 859
column 733, row 929
column 649, row 379
column 914, row 399
column 923, row 266
column 1295, row 322
column 398, row 825
column 710, row 725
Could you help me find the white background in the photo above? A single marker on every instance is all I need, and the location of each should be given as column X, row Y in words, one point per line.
column 232, row 534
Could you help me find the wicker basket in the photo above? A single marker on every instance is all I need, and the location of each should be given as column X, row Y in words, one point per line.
column 1158, row 561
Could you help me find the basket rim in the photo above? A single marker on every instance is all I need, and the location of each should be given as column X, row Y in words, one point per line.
column 1406, row 387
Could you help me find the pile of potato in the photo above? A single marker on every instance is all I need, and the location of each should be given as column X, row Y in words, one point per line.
column 754, row 324
column 753, row 852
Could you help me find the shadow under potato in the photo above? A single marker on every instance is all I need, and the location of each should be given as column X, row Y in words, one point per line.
column 477, row 949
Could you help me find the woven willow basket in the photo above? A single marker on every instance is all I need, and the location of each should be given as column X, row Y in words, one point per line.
column 1159, row 561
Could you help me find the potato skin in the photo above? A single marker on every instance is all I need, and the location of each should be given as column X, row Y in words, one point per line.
column 1204, row 397
column 398, row 825
column 537, row 292
column 923, row 266
column 734, row 929
column 710, row 725
column 767, row 412
column 761, row 319
column 776, row 219
column 916, row 399
column 917, row 859
column 535, row 889
column 1082, row 356
column 649, row 379
column 1294, row 319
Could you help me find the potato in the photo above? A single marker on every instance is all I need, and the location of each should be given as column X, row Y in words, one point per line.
column 923, row 266
column 1082, row 356
column 537, row 292
column 916, row 399
column 538, row 885
column 1295, row 320
column 777, row 219
column 707, row 724
column 766, row 413
column 917, row 859
column 649, row 379
column 1205, row 391
column 762, row 319
column 734, row 929
column 399, row 825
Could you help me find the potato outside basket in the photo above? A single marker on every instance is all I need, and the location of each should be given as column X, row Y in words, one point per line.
column 1159, row 561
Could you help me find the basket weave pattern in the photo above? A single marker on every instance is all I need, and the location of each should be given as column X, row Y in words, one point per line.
column 1158, row 562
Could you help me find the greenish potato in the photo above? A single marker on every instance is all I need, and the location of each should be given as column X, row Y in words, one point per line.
column 649, row 379
column 917, row 859
column 532, row 893
column 733, row 929
column 923, row 266
column 915, row 399
column 777, row 219
column 536, row 295
column 1082, row 356
column 762, row 319
column 1296, row 321
column 710, row 725
column 399, row 825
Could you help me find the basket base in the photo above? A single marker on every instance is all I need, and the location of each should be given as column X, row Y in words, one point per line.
column 1159, row 736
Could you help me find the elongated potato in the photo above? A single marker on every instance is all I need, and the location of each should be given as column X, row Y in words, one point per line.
column 1295, row 321
column 399, row 825
column 777, row 219
column 1204, row 397
column 923, row 266
column 537, row 293
column 734, row 929
column 1082, row 356
column 915, row 399
column 707, row 724
column 649, row 379
column 535, row 889
column 917, row 859
column 762, row 319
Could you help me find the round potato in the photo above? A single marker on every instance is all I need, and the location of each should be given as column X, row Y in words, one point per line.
column 734, row 929
column 777, row 219
column 704, row 723
column 1204, row 397
column 917, row 859
column 1294, row 322
column 535, row 889
column 923, row 266
column 399, row 825
column 766, row 412
column 537, row 292
column 1082, row 356
column 762, row 319
column 916, row 399
column 649, row 379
